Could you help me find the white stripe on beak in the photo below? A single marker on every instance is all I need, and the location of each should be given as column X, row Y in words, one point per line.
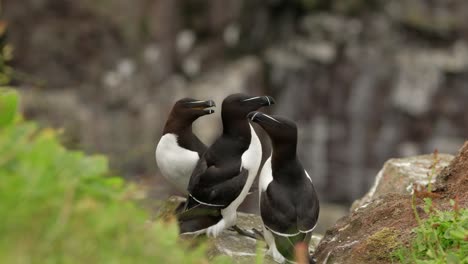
column 196, row 102
column 253, row 117
column 253, row 98
column 270, row 117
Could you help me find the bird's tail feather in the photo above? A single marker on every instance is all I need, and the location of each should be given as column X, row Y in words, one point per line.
column 197, row 224
column 196, row 217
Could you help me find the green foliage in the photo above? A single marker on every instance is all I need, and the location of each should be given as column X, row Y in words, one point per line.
column 61, row 206
column 8, row 104
column 259, row 254
column 6, row 54
column 441, row 238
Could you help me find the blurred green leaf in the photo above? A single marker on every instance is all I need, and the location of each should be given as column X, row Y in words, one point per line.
column 8, row 106
column 60, row 206
column 452, row 259
column 440, row 238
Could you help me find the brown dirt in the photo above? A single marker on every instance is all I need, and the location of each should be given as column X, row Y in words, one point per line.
column 354, row 237
column 453, row 180
column 370, row 234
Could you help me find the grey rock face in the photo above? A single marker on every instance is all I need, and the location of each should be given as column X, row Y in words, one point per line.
column 384, row 219
column 399, row 176
column 365, row 80
column 379, row 94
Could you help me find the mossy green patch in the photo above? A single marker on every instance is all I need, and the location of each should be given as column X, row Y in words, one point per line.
column 378, row 246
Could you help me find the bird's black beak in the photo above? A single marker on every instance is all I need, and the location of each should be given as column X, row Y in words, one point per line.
column 259, row 117
column 261, row 100
column 203, row 105
column 253, row 116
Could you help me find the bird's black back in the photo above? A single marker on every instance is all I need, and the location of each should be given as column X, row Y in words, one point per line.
column 290, row 204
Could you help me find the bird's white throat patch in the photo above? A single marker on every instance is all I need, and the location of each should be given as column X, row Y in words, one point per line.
column 176, row 163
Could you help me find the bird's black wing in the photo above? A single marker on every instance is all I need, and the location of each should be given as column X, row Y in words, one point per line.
column 277, row 209
column 307, row 207
column 281, row 216
column 209, row 193
column 218, row 177
column 204, row 204
column 212, row 169
column 196, row 216
column 211, row 190
column 200, row 168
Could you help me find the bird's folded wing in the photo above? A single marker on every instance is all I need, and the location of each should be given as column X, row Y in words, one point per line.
column 197, row 172
column 277, row 211
column 196, row 216
column 307, row 210
column 222, row 189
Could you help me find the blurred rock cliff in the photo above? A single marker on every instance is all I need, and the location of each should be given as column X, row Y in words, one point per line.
column 366, row 80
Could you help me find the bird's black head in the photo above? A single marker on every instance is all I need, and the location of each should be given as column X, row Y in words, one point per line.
column 185, row 112
column 237, row 106
column 280, row 129
column 189, row 109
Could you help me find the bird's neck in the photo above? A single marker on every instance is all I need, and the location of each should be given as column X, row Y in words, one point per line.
column 185, row 137
column 177, row 127
column 284, row 158
column 237, row 128
column 283, row 153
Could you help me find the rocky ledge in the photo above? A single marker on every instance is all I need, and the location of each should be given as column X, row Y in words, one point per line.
column 377, row 224
column 383, row 219
column 242, row 249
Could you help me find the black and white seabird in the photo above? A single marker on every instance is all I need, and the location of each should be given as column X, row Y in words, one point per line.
column 289, row 205
column 225, row 173
column 179, row 150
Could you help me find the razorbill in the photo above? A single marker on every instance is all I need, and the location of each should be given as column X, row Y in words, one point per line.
column 289, row 205
column 225, row 173
column 179, row 150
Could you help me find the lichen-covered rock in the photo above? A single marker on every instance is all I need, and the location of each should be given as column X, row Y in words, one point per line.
column 353, row 239
column 240, row 248
column 399, row 175
column 244, row 249
column 371, row 233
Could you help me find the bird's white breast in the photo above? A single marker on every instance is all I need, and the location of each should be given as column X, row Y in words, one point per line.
column 266, row 176
column 252, row 157
column 251, row 160
column 176, row 163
